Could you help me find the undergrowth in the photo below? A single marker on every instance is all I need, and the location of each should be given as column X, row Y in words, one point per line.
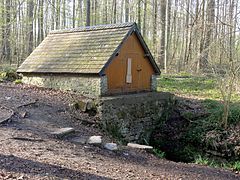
column 160, row 154
column 9, row 73
column 206, row 161
column 205, row 132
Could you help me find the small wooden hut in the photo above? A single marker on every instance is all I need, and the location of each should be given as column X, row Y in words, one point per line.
column 95, row 60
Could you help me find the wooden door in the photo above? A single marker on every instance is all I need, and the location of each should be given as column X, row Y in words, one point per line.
column 132, row 73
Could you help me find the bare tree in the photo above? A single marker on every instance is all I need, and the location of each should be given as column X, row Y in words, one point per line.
column 139, row 14
column 40, row 22
column 30, row 25
column 163, row 6
column 144, row 18
column 80, row 12
column 209, row 30
column 114, row 11
column 126, row 10
column 88, row 13
column 74, row 14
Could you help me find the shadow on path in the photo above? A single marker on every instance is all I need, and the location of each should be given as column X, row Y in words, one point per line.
column 21, row 165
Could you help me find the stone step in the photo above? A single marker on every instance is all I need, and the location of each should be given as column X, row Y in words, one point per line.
column 111, row 146
column 95, row 140
column 139, row 146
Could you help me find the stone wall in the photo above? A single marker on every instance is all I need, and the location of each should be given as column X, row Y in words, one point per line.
column 90, row 86
column 133, row 117
column 154, row 82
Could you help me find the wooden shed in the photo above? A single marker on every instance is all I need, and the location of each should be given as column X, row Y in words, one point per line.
column 95, row 60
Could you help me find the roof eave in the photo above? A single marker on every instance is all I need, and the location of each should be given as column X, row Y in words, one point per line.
column 42, row 72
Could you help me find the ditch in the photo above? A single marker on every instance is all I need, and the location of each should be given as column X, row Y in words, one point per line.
column 193, row 133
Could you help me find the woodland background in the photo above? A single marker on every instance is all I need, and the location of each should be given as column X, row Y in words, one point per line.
column 183, row 35
column 195, row 42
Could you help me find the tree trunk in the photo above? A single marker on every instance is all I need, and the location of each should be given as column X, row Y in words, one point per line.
column 2, row 51
column 139, row 14
column 40, row 22
column 163, row 33
column 96, row 12
column 144, row 18
column 7, row 32
column 114, row 11
column 64, row 14
column 231, row 30
column 187, row 35
column 154, row 40
column 126, row 10
column 203, row 64
column 73, row 11
column 88, row 13
column 52, row 14
column 106, row 12
column 92, row 11
column 58, row 2
column 122, row 7
column 30, row 26
column 201, row 48
column 80, row 18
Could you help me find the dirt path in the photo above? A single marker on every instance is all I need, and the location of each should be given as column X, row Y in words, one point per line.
column 29, row 151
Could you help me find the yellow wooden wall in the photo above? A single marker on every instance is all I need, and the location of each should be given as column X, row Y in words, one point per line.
column 142, row 70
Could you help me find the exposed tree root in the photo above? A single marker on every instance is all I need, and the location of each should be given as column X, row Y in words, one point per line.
column 27, row 139
column 8, row 117
column 28, row 104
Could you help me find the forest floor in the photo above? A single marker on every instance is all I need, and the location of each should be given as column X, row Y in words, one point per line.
column 28, row 150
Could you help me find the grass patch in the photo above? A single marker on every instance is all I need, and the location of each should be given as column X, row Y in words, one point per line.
column 203, row 87
column 160, row 154
column 206, row 161
column 236, row 166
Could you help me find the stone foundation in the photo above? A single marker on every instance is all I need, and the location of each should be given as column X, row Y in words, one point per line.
column 86, row 85
column 133, row 117
column 154, row 82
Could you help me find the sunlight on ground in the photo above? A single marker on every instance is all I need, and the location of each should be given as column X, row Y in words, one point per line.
column 200, row 87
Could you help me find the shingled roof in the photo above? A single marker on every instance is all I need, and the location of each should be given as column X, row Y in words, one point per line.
column 81, row 50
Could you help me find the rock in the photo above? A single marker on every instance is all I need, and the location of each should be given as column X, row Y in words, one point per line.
column 74, row 106
column 63, row 132
column 90, row 105
column 79, row 140
column 111, row 146
column 82, row 106
column 139, row 146
column 7, row 98
column 95, row 140
column 237, row 150
column 23, row 114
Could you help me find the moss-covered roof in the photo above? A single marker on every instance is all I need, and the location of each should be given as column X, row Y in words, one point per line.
column 79, row 50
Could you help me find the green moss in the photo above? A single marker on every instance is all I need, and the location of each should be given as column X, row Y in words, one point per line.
column 18, row 81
